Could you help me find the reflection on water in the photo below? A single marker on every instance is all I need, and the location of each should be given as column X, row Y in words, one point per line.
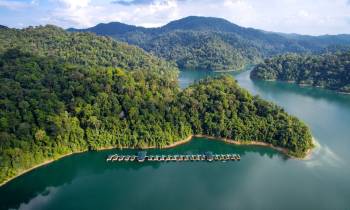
column 40, row 199
column 50, row 179
column 315, row 93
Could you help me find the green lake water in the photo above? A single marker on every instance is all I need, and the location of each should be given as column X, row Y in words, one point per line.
column 263, row 179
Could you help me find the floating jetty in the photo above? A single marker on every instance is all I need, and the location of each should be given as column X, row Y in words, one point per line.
column 142, row 157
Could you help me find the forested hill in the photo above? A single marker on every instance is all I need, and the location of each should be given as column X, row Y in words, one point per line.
column 82, row 49
column 213, row 43
column 50, row 108
column 331, row 71
column 62, row 93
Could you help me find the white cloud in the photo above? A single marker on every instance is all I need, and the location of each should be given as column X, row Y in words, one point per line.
column 84, row 13
column 291, row 16
column 75, row 4
column 77, row 13
column 34, row 2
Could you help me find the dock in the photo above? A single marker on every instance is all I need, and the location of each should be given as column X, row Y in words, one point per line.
column 142, row 156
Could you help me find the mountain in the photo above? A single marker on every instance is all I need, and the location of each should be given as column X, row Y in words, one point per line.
column 214, row 43
column 109, row 29
column 3, row 27
column 82, row 49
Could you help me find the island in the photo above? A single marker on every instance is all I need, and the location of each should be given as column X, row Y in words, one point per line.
column 329, row 70
column 63, row 93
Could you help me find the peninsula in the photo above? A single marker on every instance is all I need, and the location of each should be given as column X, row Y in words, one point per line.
column 63, row 93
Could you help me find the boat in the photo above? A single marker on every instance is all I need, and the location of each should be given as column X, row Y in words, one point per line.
column 209, row 156
column 141, row 156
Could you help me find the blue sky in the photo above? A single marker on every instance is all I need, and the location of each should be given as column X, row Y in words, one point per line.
column 313, row 17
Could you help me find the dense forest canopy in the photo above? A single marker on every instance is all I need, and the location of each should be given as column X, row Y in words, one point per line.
column 82, row 49
column 50, row 108
column 60, row 94
column 203, row 50
column 219, row 107
column 206, row 43
column 331, row 70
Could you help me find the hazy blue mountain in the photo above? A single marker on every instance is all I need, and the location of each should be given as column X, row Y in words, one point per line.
column 3, row 27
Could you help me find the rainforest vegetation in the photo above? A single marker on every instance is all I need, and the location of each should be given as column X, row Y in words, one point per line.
column 63, row 92
column 330, row 70
column 207, row 43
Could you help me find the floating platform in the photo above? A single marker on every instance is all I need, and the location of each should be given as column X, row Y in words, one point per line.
column 142, row 157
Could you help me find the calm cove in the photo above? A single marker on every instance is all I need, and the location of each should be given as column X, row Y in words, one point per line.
column 263, row 179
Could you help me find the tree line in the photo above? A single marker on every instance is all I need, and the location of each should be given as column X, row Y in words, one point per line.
column 329, row 70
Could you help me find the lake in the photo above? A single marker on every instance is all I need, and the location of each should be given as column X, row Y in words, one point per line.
column 263, row 179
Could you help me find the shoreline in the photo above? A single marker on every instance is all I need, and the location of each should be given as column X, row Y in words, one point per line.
column 258, row 143
column 305, row 85
column 50, row 161
column 227, row 71
column 37, row 166
column 175, row 144
column 246, row 67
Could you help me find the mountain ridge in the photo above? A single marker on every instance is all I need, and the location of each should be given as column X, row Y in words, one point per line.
column 207, row 43
column 173, row 23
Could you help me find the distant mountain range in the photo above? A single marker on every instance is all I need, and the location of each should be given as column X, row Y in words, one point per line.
column 214, row 43
column 3, row 27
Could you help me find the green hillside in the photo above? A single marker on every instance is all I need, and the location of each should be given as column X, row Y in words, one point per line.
column 206, row 43
column 331, row 70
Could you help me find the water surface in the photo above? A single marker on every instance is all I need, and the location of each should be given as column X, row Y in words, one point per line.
column 263, row 179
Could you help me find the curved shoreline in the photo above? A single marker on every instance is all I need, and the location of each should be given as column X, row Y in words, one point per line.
column 258, row 143
column 304, row 85
column 175, row 144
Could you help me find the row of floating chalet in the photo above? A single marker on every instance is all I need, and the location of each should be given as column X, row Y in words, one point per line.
column 142, row 156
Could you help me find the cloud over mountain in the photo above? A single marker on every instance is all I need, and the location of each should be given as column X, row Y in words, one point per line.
column 300, row 16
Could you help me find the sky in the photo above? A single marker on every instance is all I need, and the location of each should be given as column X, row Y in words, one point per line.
column 314, row 17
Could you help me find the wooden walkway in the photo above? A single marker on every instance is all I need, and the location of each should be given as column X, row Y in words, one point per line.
column 142, row 157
